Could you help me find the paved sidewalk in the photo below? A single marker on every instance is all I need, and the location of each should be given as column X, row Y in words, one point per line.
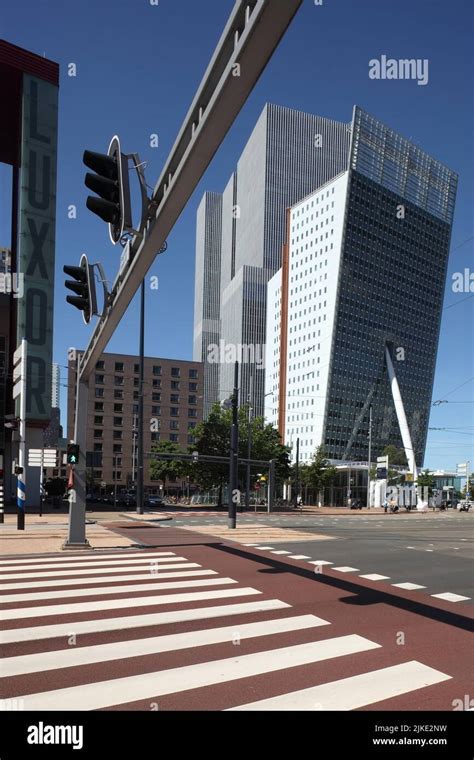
column 48, row 533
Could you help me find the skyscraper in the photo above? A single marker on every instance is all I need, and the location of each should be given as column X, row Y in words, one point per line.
column 289, row 153
column 361, row 287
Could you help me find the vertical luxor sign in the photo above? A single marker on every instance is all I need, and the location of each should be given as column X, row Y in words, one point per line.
column 36, row 243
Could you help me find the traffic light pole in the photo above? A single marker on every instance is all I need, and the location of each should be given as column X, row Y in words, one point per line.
column 21, row 477
column 234, row 452
column 140, row 403
column 77, row 498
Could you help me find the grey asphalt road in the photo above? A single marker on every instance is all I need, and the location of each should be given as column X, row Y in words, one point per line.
column 435, row 551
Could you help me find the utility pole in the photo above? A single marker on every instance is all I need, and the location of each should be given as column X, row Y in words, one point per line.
column 140, row 402
column 249, row 445
column 234, row 452
column 297, row 473
column 134, row 451
column 370, row 457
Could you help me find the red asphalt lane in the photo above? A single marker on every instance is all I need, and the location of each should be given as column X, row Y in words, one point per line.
column 436, row 633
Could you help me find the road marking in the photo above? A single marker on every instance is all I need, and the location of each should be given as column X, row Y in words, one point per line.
column 408, row 586
column 101, row 590
column 449, row 597
column 346, row 569
column 355, row 691
column 103, row 571
column 94, row 696
column 68, row 658
column 428, row 550
column 409, row 547
column 319, row 562
column 280, row 551
column 83, row 557
column 79, row 579
column 111, row 604
column 299, row 556
column 58, row 569
column 265, row 548
column 36, row 633
column 114, row 579
column 375, row 577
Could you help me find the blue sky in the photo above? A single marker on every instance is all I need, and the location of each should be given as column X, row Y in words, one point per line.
column 138, row 66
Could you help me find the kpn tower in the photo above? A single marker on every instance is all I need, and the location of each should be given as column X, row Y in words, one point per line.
column 354, row 312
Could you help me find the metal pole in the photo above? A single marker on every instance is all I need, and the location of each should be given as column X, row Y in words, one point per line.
column 140, row 403
column 77, row 498
column 297, row 474
column 271, row 485
column 234, row 450
column 249, row 446
column 21, row 479
column 114, row 462
column 370, row 457
column 134, row 450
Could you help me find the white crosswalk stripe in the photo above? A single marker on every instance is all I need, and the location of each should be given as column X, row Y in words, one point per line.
column 285, row 641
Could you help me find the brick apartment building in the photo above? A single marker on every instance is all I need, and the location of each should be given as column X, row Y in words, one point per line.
column 173, row 406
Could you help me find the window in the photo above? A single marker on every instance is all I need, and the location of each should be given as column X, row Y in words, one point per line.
column 99, row 393
column 156, row 410
column 118, row 380
column 116, row 475
column 136, row 368
column 118, row 435
column 117, row 448
column 156, row 383
column 100, row 365
column 174, row 425
column 98, row 474
column 118, row 461
column 98, row 419
column 99, row 379
column 192, row 399
column 174, row 411
column 193, row 373
column 135, row 408
column 97, row 447
column 192, row 413
column 135, row 395
column 174, row 398
column 136, row 382
column 119, row 366
column 190, row 439
column 155, row 436
column 174, row 437
column 193, row 386
column 118, row 407
column 156, row 370
column 118, row 421
column 175, row 385
column 175, row 372
column 191, row 425
column 99, row 406
column 97, row 433
column 156, row 396
column 118, row 394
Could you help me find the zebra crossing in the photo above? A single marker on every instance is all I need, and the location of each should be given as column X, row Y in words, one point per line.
column 160, row 638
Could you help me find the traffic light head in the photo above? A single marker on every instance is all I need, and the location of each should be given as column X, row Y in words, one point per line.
column 83, row 286
column 110, row 182
column 72, row 455
column 195, row 457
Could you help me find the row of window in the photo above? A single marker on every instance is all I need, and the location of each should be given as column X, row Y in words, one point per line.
column 157, row 369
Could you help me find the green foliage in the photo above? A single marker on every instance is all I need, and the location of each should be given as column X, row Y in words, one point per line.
column 395, row 456
column 163, row 469
column 318, row 473
column 212, row 438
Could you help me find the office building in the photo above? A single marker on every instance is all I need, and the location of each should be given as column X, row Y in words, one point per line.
column 364, row 270
column 173, row 391
column 288, row 155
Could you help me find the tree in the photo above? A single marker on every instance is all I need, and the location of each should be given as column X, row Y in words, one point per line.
column 164, row 469
column 395, row 455
column 319, row 472
column 212, row 438
column 425, row 479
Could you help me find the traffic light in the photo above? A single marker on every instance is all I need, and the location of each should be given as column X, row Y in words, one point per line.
column 195, row 457
column 83, row 285
column 72, row 455
column 111, row 184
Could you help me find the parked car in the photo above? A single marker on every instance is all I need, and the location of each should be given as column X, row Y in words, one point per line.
column 154, row 501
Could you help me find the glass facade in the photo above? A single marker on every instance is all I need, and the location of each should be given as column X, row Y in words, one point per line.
column 391, row 288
